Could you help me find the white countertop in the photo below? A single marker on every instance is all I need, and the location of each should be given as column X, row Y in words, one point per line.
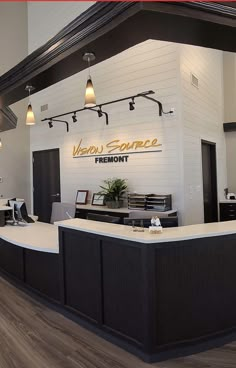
column 119, row 210
column 38, row 236
column 169, row 234
column 5, row 208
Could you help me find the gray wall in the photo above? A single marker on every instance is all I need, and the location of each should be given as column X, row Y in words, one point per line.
column 230, row 116
column 15, row 154
column 231, row 160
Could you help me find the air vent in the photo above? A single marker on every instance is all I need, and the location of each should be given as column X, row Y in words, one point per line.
column 44, row 107
column 194, row 80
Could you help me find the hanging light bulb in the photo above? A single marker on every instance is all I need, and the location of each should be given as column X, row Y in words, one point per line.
column 0, row 143
column 90, row 98
column 30, row 119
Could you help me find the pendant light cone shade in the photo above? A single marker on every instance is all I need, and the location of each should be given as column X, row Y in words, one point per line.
column 90, row 98
column 0, row 144
column 30, row 119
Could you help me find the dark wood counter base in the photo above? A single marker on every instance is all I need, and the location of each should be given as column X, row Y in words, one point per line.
column 158, row 301
column 163, row 299
column 36, row 270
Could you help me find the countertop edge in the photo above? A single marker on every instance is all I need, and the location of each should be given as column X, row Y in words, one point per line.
column 26, row 246
column 148, row 241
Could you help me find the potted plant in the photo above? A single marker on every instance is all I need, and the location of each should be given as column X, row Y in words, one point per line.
column 113, row 191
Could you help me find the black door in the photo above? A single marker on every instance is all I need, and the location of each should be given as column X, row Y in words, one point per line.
column 46, row 182
column 209, row 182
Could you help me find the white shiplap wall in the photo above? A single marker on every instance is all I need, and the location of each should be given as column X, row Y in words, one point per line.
column 149, row 65
column 202, row 117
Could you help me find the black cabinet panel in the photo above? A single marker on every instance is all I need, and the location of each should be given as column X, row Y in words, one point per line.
column 42, row 272
column 82, row 274
column 123, row 288
column 83, row 213
column 11, row 259
column 227, row 211
column 195, row 289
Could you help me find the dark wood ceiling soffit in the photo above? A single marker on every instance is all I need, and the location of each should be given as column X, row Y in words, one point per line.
column 109, row 28
column 8, row 120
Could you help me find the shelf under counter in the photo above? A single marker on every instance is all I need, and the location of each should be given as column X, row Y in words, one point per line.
column 83, row 210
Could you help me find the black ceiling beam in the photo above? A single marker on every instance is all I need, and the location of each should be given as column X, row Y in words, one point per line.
column 8, row 120
column 229, row 127
column 108, row 28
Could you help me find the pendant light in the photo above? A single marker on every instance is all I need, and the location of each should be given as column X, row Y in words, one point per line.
column 30, row 119
column 90, row 98
column 0, row 143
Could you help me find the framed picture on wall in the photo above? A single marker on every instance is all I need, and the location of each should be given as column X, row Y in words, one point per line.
column 98, row 199
column 81, row 196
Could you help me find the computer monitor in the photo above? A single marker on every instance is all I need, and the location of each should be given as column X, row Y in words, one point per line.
column 20, row 211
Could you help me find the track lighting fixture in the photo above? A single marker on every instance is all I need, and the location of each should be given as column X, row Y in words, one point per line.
column 74, row 118
column 131, row 105
column 52, row 120
column 90, row 98
column 100, row 112
column 30, row 119
column 50, row 124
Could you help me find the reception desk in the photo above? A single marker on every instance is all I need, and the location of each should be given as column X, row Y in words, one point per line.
column 156, row 295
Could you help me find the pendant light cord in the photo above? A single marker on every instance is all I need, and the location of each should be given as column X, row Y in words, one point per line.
column 89, row 65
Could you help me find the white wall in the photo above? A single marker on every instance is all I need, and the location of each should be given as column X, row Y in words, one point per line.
column 14, row 156
column 202, row 114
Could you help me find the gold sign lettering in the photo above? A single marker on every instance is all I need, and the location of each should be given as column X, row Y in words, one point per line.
column 115, row 146
column 91, row 150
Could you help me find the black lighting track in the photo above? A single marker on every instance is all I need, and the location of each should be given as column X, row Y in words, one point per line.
column 100, row 112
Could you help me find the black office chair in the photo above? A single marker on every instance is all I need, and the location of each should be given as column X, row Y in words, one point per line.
column 171, row 221
column 103, row 218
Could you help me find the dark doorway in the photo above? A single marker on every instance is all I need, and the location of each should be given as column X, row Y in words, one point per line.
column 209, row 182
column 46, row 182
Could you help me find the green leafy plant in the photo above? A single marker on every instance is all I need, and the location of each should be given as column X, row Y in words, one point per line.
column 113, row 189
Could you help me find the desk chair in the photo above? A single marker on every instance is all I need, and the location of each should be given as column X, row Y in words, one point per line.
column 171, row 221
column 103, row 218
column 62, row 211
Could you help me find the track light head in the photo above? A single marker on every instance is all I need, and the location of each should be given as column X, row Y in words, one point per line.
column 50, row 124
column 100, row 113
column 131, row 105
column 74, row 118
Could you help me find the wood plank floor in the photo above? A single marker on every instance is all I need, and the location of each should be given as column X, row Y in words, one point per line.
column 33, row 336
